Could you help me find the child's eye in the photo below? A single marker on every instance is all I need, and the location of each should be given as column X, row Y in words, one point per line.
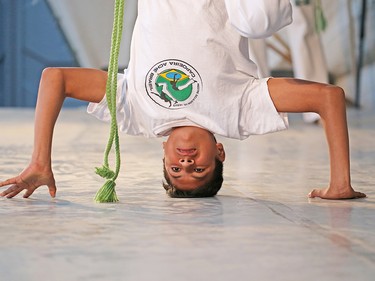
column 199, row 170
column 176, row 169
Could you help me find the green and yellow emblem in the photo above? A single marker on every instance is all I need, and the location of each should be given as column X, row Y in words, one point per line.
column 173, row 84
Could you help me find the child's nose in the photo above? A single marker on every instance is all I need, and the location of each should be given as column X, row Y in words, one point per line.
column 187, row 161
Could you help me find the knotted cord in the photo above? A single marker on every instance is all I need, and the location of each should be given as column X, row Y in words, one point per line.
column 107, row 192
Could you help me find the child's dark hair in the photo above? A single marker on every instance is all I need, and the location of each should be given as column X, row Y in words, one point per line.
column 207, row 190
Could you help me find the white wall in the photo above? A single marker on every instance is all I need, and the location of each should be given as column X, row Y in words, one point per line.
column 88, row 26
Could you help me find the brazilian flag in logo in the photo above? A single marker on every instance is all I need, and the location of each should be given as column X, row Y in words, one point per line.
column 174, row 84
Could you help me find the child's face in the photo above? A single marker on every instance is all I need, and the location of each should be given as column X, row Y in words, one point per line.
column 189, row 156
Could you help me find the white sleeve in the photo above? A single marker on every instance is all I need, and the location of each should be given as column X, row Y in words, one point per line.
column 259, row 18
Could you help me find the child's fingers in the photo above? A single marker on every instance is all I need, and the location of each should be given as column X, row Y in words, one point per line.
column 315, row 193
column 11, row 191
column 16, row 188
column 8, row 182
column 359, row 195
column 52, row 190
column 7, row 191
column 28, row 193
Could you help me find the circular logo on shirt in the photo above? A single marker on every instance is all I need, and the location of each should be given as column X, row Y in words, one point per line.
column 173, row 84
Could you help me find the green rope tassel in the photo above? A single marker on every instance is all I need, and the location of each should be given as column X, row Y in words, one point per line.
column 107, row 192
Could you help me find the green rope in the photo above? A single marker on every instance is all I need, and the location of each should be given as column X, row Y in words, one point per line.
column 320, row 19
column 107, row 192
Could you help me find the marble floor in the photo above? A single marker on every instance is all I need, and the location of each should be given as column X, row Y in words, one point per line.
column 261, row 226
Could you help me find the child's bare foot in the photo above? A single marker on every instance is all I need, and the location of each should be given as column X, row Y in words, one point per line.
column 329, row 193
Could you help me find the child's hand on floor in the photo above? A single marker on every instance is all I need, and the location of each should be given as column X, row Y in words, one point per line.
column 30, row 179
column 336, row 193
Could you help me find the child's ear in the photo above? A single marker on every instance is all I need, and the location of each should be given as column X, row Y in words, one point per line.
column 221, row 152
column 163, row 144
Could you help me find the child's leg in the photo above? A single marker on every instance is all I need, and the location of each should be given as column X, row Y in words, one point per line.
column 293, row 95
column 55, row 85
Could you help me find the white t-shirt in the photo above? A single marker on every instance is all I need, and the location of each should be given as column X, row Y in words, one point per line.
column 189, row 66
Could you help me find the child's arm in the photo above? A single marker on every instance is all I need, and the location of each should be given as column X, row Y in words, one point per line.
column 55, row 85
column 259, row 18
column 293, row 95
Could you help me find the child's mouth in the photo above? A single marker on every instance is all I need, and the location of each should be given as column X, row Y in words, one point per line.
column 186, row 152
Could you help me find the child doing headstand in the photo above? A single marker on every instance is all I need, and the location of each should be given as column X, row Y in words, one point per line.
column 189, row 78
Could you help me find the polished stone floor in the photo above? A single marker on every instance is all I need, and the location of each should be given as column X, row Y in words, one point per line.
column 261, row 226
